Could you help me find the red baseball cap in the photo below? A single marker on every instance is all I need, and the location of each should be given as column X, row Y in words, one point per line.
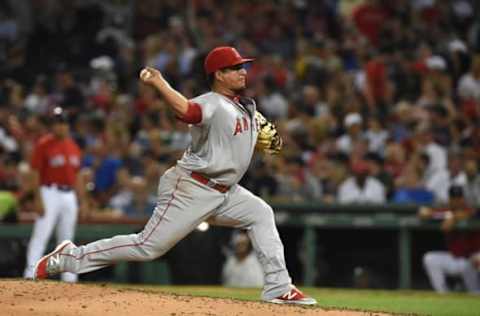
column 221, row 57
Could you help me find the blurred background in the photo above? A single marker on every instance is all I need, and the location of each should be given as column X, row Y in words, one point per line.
column 378, row 103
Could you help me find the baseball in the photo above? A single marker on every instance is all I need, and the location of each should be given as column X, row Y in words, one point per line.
column 145, row 74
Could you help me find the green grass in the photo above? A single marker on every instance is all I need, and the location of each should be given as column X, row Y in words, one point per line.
column 397, row 302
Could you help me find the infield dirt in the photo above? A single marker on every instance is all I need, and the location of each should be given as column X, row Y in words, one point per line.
column 21, row 298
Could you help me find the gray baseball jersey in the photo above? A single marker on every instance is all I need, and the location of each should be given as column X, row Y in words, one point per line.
column 221, row 149
column 223, row 142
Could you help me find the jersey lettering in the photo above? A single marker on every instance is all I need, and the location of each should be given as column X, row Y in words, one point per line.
column 238, row 127
column 57, row 161
column 241, row 125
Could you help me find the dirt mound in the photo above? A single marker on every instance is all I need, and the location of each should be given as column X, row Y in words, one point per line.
column 19, row 298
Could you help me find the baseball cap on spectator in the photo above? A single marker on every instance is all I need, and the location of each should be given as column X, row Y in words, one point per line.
column 436, row 63
column 351, row 119
column 457, row 45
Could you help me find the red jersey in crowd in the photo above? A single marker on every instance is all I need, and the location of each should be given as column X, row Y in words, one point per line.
column 376, row 72
column 56, row 160
column 369, row 19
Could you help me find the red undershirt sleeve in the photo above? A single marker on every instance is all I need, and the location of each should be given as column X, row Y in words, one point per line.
column 193, row 114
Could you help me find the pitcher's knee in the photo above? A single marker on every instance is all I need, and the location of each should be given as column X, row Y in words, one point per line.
column 149, row 251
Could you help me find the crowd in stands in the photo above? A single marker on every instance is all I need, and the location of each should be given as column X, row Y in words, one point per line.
column 377, row 101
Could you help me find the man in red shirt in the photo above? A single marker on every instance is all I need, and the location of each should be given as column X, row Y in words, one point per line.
column 55, row 164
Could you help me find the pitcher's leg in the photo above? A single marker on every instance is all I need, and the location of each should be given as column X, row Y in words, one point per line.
column 155, row 239
column 266, row 241
column 182, row 205
column 243, row 209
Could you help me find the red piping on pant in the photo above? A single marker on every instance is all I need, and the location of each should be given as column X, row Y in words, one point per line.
column 136, row 244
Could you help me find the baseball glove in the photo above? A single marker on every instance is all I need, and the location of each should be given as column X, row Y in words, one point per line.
column 268, row 139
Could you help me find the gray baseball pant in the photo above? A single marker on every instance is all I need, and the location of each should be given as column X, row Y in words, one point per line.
column 183, row 203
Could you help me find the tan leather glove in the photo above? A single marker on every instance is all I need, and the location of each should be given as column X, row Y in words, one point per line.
column 268, row 140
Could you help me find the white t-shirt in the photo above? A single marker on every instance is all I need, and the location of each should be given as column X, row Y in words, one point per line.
column 438, row 182
column 372, row 192
column 438, row 158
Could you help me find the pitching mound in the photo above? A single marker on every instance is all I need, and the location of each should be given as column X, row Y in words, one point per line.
column 20, row 298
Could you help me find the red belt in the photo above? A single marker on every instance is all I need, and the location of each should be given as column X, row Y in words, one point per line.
column 202, row 179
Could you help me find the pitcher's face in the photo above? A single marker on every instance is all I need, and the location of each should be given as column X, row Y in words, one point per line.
column 233, row 78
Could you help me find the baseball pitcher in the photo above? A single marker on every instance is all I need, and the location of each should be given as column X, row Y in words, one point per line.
column 203, row 186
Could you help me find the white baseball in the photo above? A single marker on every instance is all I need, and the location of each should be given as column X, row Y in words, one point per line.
column 145, row 74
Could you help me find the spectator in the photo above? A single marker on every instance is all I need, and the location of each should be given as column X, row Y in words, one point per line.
column 38, row 101
column 441, row 121
column 409, row 186
column 361, row 187
column 378, row 88
column 295, row 183
column 376, row 136
column 437, row 155
column 135, row 200
column 377, row 170
column 461, row 245
column 400, row 129
column 468, row 90
column 369, row 18
column 272, row 103
column 242, row 269
column 311, row 103
column 472, row 183
column 105, row 167
column 353, row 125
column 262, row 182
column 68, row 93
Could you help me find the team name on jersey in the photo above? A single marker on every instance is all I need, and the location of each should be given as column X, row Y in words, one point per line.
column 242, row 125
column 60, row 160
